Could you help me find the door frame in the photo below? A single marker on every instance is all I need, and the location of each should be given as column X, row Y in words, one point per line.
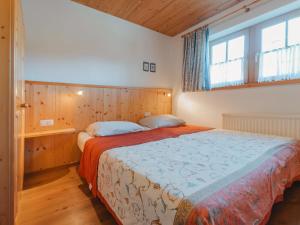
column 7, row 102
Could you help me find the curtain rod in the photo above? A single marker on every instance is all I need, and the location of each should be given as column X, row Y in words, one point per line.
column 245, row 7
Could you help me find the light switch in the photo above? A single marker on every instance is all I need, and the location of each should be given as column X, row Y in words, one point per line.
column 46, row 123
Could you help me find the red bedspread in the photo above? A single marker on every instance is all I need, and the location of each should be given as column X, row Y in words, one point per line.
column 251, row 194
column 258, row 190
column 96, row 146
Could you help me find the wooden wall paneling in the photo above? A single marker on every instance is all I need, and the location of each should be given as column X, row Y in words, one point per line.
column 150, row 102
column 111, row 104
column 144, row 101
column 42, row 102
column 68, row 151
column 131, row 106
column 136, row 104
column 81, row 111
column 145, row 104
column 89, row 107
column 124, row 104
column 118, row 104
column 51, row 151
column 39, row 153
column 164, row 102
column 65, row 100
column 68, row 109
column 99, row 104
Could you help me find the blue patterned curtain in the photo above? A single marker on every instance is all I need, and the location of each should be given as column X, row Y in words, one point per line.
column 196, row 61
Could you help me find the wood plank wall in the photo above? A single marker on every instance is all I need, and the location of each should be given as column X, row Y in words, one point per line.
column 62, row 103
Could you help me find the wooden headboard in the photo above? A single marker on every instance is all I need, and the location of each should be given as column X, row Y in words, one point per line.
column 76, row 106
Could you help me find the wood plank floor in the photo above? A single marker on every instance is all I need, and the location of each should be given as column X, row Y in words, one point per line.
column 60, row 197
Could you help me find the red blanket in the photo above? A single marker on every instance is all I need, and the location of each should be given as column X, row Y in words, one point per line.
column 253, row 194
column 96, row 146
column 266, row 183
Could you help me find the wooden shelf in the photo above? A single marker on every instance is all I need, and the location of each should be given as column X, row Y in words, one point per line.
column 50, row 132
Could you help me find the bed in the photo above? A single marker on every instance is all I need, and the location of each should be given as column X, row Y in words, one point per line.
column 189, row 175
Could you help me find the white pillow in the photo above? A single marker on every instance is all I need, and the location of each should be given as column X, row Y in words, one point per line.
column 161, row 121
column 109, row 128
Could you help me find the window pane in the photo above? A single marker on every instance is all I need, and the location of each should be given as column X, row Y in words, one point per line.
column 226, row 74
column 281, row 64
column 269, row 65
column 294, row 33
column 273, row 37
column 219, row 53
column 216, row 72
column 235, row 71
column 236, row 48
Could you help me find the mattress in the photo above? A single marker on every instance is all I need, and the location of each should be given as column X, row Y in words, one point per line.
column 211, row 177
column 83, row 137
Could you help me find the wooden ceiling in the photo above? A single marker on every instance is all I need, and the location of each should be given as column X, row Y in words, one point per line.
column 169, row 17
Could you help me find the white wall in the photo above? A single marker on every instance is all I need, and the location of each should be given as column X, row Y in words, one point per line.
column 206, row 108
column 68, row 42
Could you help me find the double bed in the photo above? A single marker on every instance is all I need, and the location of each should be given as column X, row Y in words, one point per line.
column 188, row 175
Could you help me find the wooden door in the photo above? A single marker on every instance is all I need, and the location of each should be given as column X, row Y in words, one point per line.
column 6, row 209
column 19, row 97
column 11, row 112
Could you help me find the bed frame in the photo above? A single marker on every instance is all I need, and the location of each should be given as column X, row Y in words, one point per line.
column 280, row 125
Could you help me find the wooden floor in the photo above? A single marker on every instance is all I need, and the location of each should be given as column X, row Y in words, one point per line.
column 60, row 197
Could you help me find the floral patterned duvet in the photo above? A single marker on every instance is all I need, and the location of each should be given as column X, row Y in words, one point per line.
column 212, row 177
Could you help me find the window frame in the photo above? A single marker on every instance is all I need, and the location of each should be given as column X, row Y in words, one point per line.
column 258, row 39
column 253, row 42
column 283, row 18
column 227, row 38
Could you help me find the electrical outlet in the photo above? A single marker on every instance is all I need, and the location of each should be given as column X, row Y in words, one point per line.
column 46, row 123
column 146, row 114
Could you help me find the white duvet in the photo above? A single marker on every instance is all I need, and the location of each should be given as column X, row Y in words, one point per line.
column 144, row 184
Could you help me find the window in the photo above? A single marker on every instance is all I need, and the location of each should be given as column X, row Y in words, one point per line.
column 228, row 61
column 279, row 57
column 271, row 54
